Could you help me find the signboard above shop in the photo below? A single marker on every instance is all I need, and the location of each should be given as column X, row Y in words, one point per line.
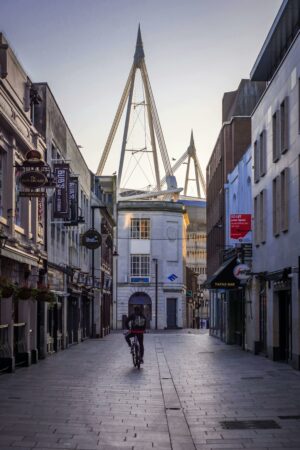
column 240, row 228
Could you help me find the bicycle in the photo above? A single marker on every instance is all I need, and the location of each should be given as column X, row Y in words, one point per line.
column 135, row 349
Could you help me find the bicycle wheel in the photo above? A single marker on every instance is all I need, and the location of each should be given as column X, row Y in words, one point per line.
column 133, row 352
column 138, row 357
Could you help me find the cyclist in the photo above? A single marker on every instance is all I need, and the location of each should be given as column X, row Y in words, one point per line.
column 137, row 322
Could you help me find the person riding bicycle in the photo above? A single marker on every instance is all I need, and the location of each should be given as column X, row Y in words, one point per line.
column 137, row 322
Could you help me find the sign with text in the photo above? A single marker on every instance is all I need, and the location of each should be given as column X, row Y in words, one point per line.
column 61, row 197
column 240, row 228
column 73, row 198
column 91, row 239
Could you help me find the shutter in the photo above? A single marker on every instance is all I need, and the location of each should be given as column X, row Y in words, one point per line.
column 285, row 200
column 256, row 220
column 263, row 153
column 263, row 209
column 276, row 136
column 277, row 205
column 256, row 161
column 285, row 125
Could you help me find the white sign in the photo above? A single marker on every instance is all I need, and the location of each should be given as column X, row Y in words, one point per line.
column 242, row 272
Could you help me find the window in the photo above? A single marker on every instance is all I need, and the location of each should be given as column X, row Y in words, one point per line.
column 299, row 184
column 256, row 162
column 262, row 153
column 284, row 125
column 18, row 199
column 284, row 199
column 256, row 220
column 140, row 265
column 276, row 206
column 299, row 105
column 281, row 202
column 262, row 216
column 275, row 129
column 1, row 182
column 140, row 229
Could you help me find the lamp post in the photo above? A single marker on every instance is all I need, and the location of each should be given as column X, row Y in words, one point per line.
column 200, row 307
column 156, row 289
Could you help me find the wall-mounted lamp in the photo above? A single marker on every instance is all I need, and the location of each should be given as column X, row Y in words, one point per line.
column 3, row 239
column 218, row 225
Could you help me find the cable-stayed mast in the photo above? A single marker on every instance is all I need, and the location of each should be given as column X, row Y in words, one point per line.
column 155, row 132
column 189, row 155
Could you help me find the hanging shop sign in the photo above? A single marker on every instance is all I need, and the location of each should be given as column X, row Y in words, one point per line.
column 91, row 239
column 240, row 227
column 61, row 196
column 242, row 272
column 33, row 179
column 73, row 199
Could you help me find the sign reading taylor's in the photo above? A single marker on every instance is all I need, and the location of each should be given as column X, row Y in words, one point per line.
column 91, row 239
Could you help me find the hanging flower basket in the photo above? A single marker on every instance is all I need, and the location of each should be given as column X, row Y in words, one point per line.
column 24, row 293
column 7, row 289
column 45, row 295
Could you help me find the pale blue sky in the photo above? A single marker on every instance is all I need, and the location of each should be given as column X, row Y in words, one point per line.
column 195, row 51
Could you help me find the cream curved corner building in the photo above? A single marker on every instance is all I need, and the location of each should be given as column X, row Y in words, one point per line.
column 151, row 244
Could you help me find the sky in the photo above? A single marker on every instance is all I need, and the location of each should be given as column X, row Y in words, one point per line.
column 195, row 50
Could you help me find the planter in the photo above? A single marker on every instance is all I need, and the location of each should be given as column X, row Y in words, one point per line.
column 7, row 291
column 44, row 295
column 24, row 293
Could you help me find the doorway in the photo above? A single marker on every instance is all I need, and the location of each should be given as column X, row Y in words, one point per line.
column 285, row 331
column 143, row 301
column 171, row 312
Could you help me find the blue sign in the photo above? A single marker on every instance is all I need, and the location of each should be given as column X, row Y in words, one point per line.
column 139, row 279
column 172, row 277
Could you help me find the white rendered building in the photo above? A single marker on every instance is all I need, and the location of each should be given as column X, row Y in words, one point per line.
column 276, row 144
column 151, row 262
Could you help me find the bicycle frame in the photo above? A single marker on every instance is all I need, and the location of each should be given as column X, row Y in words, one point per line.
column 135, row 349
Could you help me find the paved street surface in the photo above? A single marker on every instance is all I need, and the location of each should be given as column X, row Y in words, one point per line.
column 90, row 397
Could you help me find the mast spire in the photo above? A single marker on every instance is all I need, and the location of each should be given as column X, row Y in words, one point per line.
column 139, row 54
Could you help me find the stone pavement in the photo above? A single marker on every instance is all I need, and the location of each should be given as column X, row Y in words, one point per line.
column 89, row 397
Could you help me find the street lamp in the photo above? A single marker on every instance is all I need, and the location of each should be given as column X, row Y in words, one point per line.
column 156, row 289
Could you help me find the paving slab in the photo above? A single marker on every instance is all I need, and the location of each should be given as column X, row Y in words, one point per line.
column 89, row 397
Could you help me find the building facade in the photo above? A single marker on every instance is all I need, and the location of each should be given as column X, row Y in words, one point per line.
column 276, row 194
column 23, row 253
column 151, row 238
column 198, row 298
column 233, row 141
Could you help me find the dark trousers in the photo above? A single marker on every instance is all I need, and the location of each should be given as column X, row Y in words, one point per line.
column 140, row 337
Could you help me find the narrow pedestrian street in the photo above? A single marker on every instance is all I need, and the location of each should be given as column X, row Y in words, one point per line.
column 90, row 397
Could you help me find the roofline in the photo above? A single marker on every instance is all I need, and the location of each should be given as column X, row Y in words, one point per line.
column 223, row 125
column 44, row 83
column 268, row 38
column 275, row 74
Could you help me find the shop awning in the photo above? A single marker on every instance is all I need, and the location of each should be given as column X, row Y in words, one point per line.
column 223, row 278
